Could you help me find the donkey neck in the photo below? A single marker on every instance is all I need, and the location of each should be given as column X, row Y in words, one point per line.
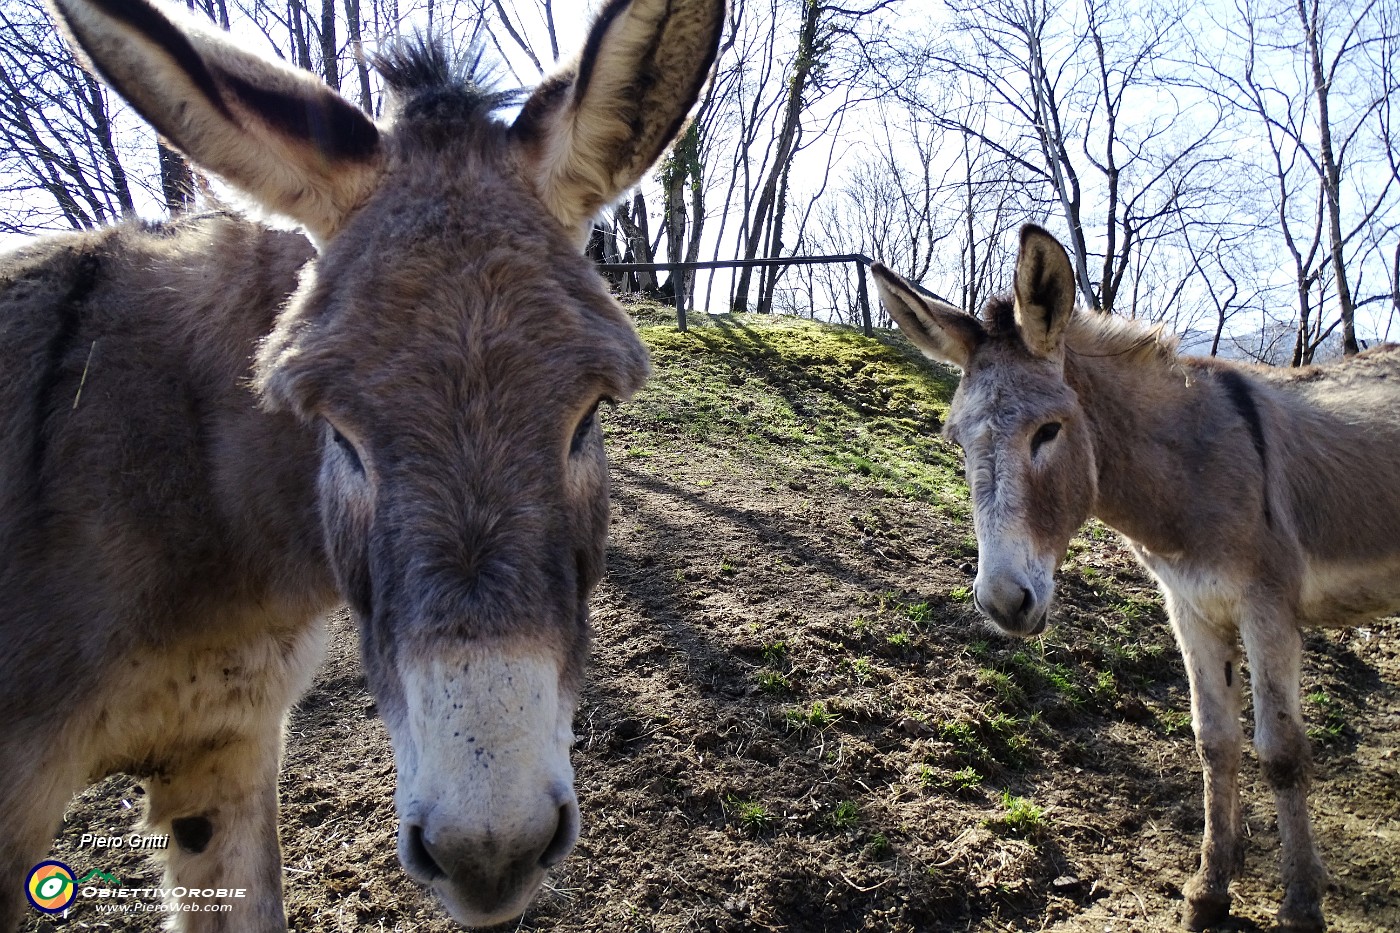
column 1150, row 430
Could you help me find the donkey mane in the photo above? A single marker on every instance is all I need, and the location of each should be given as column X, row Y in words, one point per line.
column 1094, row 334
column 429, row 83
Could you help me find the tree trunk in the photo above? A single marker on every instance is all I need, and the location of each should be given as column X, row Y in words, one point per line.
column 697, row 226
column 330, row 50
column 1331, row 177
column 792, row 112
column 676, row 230
column 301, row 45
column 357, row 49
column 634, row 228
column 176, row 179
column 768, row 280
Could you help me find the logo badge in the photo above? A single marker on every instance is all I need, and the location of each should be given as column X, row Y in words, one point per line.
column 50, row 887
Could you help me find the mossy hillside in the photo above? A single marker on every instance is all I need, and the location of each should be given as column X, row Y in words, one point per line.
column 797, row 397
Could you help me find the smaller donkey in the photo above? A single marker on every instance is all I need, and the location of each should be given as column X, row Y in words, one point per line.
column 1263, row 500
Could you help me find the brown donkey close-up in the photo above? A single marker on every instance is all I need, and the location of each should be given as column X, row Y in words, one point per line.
column 214, row 433
column 1263, row 500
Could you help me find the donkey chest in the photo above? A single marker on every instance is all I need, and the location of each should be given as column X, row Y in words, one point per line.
column 160, row 709
column 1208, row 592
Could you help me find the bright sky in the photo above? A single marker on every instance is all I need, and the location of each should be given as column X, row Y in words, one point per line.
column 810, row 169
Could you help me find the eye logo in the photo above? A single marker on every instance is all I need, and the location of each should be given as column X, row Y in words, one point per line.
column 50, row 887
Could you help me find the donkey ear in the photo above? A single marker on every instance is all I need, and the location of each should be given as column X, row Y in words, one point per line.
column 940, row 330
column 278, row 134
column 1044, row 289
column 591, row 131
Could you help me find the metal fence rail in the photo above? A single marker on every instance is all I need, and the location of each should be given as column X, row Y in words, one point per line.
column 859, row 260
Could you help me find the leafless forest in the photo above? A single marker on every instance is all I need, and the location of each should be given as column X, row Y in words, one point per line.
column 1231, row 169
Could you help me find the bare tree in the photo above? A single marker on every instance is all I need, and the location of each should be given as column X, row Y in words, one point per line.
column 1317, row 81
column 63, row 162
column 1081, row 104
column 803, row 74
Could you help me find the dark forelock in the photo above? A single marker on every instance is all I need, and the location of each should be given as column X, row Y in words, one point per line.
column 999, row 316
column 427, row 80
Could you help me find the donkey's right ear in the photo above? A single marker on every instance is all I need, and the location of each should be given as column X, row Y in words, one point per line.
column 281, row 136
column 593, row 130
column 940, row 330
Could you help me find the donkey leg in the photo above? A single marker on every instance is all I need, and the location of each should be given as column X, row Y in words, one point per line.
column 32, row 799
column 1212, row 664
column 220, row 809
column 1275, row 658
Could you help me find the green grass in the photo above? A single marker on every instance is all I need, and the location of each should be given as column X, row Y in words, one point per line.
column 861, row 670
column 845, row 816
column 1019, row 816
column 920, row 613
column 1007, row 690
column 878, row 847
column 816, row 717
column 1328, row 717
column 751, row 816
column 965, row 779
column 1174, row 722
column 802, row 396
column 771, row 682
column 962, row 781
column 774, row 652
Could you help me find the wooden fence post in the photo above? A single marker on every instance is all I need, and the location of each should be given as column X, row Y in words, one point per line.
column 678, row 280
column 864, row 300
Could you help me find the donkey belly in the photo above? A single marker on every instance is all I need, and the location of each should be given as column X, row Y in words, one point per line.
column 1337, row 594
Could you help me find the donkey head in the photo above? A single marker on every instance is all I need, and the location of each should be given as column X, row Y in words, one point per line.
column 449, row 350
column 1030, row 459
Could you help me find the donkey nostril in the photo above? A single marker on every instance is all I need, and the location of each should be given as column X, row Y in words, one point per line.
column 1027, row 602
column 417, row 859
column 564, row 835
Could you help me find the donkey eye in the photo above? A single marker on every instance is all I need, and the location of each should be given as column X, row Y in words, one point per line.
column 1044, row 434
column 585, row 427
column 348, row 449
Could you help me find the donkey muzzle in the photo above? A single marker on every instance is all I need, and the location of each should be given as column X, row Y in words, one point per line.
column 1010, row 601
column 485, row 877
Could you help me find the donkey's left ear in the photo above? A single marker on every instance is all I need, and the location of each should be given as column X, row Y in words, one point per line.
column 1044, row 290
column 591, row 131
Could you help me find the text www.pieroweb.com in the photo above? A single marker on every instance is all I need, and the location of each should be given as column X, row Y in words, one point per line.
column 157, row 907
column 159, row 900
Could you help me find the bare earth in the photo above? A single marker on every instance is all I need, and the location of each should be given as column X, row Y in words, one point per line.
column 795, row 722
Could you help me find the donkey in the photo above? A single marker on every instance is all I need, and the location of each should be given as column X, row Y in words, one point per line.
column 1262, row 500
column 213, row 433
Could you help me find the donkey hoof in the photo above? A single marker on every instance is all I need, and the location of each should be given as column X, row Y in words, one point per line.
column 1204, row 910
column 1301, row 918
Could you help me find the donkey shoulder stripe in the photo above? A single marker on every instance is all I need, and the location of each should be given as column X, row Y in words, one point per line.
column 1238, row 390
